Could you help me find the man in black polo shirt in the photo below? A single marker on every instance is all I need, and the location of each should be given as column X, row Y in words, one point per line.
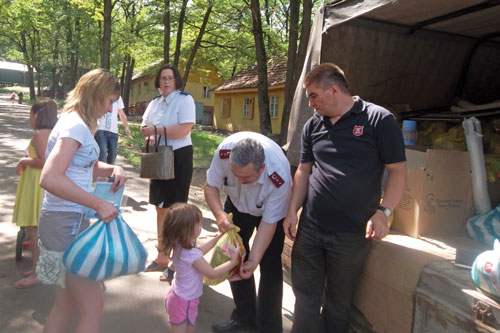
column 345, row 147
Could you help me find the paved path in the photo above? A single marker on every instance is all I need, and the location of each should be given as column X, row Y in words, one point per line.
column 132, row 303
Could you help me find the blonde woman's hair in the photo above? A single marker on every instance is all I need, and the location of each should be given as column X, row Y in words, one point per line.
column 89, row 96
column 179, row 227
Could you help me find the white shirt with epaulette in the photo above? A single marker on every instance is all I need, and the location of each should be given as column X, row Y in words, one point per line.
column 269, row 196
column 177, row 108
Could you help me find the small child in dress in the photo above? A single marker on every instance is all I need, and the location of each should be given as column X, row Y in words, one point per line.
column 43, row 117
column 12, row 98
column 181, row 229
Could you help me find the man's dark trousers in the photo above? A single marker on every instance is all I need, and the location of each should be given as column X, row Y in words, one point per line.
column 267, row 313
column 337, row 257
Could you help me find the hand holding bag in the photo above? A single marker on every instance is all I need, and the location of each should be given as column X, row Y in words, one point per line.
column 228, row 242
column 158, row 163
column 105, row 250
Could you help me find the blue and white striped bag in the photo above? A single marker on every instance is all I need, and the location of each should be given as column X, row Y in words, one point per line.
column 105, row 250
column 485, row 227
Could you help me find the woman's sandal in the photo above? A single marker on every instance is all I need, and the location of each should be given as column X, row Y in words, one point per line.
column 168, row 275
column 155, row 267
column 26, row 283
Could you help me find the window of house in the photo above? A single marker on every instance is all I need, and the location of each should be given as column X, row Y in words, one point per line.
column 206, row 92
column 273, row 106
column 131, row 91
column 139, row 90
column 226, row 107
column 146, row 88
column 248, row 108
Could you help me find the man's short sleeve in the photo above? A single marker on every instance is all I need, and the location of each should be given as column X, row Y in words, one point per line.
column 215, row 174
column 276, row 205
column 390, row 142
column 306, row 153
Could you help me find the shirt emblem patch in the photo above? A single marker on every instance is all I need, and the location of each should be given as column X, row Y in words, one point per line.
column 276, row 179
column 358, row 130
column 224, row 154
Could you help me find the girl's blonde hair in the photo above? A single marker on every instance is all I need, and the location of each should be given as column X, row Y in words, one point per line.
column 89, row 96
column 179, row 227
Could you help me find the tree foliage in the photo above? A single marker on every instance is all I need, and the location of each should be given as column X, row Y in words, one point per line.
column 59, row 40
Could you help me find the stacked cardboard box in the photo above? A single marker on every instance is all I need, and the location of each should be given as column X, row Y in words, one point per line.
column 438, row 196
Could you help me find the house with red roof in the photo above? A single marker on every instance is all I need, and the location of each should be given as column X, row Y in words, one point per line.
column 236, row 100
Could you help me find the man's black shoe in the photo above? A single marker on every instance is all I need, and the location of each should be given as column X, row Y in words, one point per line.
column 233, row 326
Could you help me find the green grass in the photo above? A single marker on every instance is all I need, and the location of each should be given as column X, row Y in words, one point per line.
column 205, row 143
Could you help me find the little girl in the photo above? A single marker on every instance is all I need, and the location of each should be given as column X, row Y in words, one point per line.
column 181, row 229
column 43, row 117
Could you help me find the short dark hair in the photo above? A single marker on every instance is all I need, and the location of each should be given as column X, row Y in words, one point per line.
column 177, row 76
column 46, row 111
column 326, row 75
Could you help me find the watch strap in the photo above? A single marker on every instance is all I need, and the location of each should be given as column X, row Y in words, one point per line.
column 387, row 212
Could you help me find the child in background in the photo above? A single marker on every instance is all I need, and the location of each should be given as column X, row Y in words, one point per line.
column 12, row 98
column 43, row 117
column 182, row 227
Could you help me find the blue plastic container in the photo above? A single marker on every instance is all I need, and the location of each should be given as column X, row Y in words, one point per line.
column 410, row 132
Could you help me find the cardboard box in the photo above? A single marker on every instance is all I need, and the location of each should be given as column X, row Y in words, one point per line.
column 385, row 293
column 438, row 196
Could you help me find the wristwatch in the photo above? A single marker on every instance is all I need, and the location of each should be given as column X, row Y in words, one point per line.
column 387, row 212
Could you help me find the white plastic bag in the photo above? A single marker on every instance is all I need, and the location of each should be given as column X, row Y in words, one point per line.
column 474, row 138
column 485, row 271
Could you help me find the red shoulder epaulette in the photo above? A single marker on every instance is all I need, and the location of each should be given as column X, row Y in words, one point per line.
column 224, row 153
column 276, row 179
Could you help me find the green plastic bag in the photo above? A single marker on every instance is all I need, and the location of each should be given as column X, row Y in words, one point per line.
column 228, row 242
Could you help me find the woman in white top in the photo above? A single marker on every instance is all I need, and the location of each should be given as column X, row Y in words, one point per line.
column 71, row 163
column 174, row 111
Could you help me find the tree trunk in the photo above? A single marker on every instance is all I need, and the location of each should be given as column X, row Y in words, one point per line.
column 180, row 26
column 197, row 44
column 166, row 33
column 24, row 49
column 106, row 35
column 293, row 37
column 295, row 59
column 130, row 63
column 265, row 118
column 53, row 92
column 72, row 53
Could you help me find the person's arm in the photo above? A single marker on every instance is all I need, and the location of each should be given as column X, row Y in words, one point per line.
column 123, row 118
column 175, row 131
column 53, row 179
column 377, row 227
column 263, row 237
column 39, row 143
column 203, row 267
column 212, row 197
column 299, row 192
column 208, row 245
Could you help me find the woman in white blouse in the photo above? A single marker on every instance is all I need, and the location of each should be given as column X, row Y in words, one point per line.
column 174, row 111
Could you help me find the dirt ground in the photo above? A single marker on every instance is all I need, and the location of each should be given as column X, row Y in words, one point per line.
column 196, row 190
